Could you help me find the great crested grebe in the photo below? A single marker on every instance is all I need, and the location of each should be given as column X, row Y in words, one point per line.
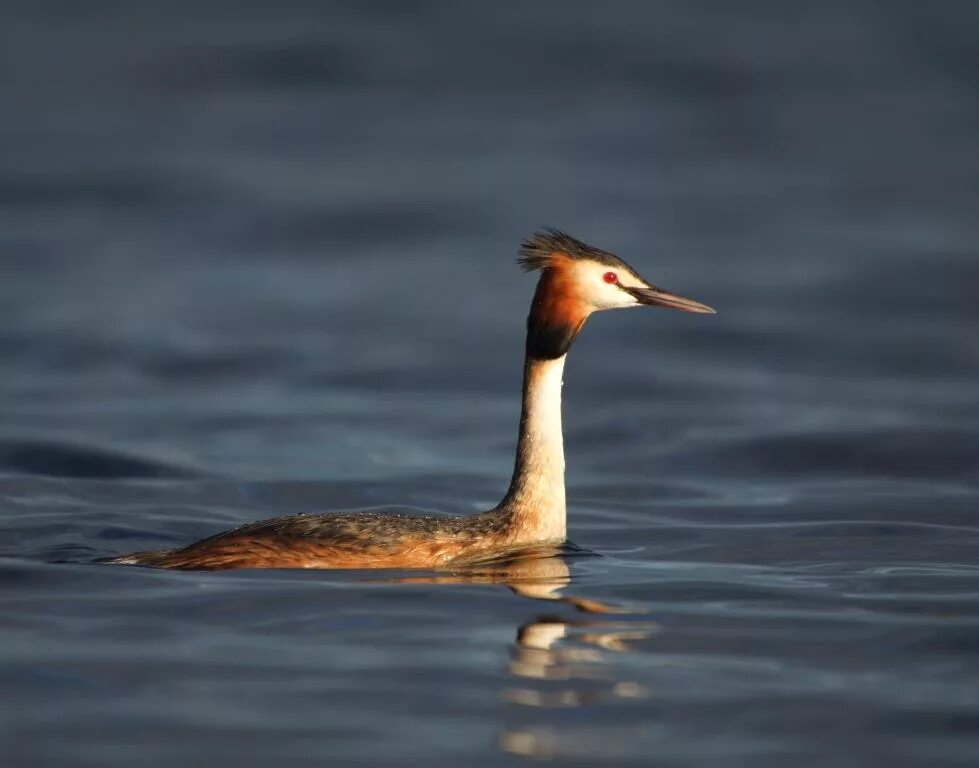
column 576, row 280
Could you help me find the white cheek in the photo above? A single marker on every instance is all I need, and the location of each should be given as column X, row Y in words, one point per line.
column 601, row 294
column 630, row 281
column 610, row 296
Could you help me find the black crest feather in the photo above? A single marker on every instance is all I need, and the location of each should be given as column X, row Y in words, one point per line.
column 536, row 251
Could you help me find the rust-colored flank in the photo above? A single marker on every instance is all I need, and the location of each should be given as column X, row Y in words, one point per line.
column 575, row 281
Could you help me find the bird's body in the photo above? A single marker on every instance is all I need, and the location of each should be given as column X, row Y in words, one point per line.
column 576, row 280
column 373, row 539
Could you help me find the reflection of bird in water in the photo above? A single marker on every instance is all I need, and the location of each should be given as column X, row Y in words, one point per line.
column 537, row 573
column 576, row 280
column 563, row 664
column 556, row 662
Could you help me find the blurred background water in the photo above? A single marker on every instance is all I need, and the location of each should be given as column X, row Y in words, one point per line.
column 257, row 258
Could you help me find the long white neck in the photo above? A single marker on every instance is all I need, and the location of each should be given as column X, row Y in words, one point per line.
column 535, row 502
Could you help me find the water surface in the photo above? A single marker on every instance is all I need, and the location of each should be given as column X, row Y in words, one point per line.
column 258, row 261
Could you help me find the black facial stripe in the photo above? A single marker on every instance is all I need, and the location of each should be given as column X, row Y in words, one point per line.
column 638, row 293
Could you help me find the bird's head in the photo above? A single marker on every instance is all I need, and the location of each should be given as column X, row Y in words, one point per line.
column 576, row 280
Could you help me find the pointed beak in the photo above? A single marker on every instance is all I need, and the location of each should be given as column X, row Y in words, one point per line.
column 657, row 297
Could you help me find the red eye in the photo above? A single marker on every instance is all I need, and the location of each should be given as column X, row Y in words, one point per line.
column 610, row 277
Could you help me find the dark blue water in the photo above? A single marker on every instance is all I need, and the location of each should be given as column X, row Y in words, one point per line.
column 257, row 259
